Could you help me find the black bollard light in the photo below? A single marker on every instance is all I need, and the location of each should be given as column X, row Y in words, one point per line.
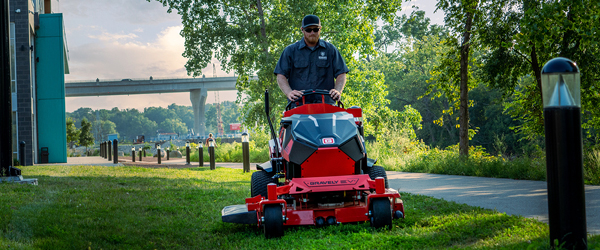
column 116, row 151
column 22, row 153
column 132, row 154
column 187, row 153
column 246, row 151
column 564, row 153
column 211, row 153
column 102, row 149
column 109, row 147
column 168, row 151
column 158, row 153
column 140, row 154
column 144, row 152
column 200, row 155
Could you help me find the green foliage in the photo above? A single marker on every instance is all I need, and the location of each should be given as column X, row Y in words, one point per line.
column 94, row 207
column 86, row 138
column 248, row 38
column 72, row 132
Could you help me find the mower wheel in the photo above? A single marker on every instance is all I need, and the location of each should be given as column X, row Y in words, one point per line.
column 381, row 213
column 378, row 171
column 259, row 182
column 273, row 223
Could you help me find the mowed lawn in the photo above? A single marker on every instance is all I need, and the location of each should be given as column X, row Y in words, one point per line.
column 93, row 207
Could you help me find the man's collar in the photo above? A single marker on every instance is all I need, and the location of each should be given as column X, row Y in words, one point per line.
column 303, row 43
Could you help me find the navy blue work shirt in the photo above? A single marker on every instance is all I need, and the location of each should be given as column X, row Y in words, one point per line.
column 307, row 68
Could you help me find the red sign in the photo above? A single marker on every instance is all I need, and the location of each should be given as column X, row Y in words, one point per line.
column 235, row 126
column 328, row 141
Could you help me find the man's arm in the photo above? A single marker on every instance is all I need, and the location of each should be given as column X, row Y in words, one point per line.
column 340, row 82
column 284, row 85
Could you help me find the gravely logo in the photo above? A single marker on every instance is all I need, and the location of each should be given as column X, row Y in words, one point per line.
column 331, row 182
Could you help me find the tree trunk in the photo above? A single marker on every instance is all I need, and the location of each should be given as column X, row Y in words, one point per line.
column 464, row 85
column 263, row 29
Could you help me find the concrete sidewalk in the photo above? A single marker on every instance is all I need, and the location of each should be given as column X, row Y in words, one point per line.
column 513, row 197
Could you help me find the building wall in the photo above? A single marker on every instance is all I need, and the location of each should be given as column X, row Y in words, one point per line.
column 51, row 69
column 24, row 29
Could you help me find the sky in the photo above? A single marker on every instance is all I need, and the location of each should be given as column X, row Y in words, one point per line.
column 118, row 39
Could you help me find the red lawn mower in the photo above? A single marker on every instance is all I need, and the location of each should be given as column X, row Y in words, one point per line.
column 319, row 173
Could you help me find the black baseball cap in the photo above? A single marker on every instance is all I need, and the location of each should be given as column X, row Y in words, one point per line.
column 310, row 20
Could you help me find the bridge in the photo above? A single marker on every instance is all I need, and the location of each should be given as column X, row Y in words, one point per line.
column 198, row 88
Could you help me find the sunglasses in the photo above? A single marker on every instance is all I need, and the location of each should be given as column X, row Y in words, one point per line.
column 311, row 30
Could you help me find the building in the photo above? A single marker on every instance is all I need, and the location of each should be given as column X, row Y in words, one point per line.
column 39, row 62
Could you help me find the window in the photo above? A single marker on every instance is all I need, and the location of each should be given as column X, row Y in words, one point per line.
column 13, row 88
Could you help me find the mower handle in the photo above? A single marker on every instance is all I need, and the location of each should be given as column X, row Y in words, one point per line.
column 314, row 92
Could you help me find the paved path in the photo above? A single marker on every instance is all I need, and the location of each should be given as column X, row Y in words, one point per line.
column 513, row 197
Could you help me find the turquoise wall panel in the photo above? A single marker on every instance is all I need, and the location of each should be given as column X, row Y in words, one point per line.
column 50, row 25
column 50, row 80
column 50, row 72
column 53, row 132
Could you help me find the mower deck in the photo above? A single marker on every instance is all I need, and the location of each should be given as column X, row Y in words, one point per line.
column 303, row 211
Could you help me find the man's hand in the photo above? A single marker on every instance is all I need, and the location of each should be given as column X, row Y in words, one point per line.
column 294, row 94
column 335, row 95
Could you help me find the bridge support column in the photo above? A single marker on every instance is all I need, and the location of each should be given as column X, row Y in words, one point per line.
column 198, row 98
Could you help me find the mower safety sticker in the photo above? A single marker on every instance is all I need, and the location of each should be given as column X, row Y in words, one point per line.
column 331, row 183
column 329, row 140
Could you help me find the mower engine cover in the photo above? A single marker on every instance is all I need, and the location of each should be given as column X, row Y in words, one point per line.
column 329, row 141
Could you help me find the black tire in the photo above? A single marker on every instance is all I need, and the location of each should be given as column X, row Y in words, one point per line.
column 378, row 171
column 259, row 182
column 381, row 213
column 273, row 224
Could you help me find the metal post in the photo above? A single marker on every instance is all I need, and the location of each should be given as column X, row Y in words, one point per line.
column 158, row 153
column 144, row 152
column 211, row 153
column 187, row 153
column 116, row 150
column 140, row 154
column 564, row 153
column 168, row 151
column 109, row 147
column 200, row 155
column 246, row 152
column 22, row 153
column 132, row 154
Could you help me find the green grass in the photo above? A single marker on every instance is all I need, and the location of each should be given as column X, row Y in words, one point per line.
column 87, row 207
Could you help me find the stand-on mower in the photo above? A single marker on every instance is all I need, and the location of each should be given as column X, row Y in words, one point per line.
column 319, row 173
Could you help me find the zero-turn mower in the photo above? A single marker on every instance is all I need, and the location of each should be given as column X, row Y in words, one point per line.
column 319, row 173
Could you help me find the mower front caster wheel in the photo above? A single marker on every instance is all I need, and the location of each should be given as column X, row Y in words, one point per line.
column 273, row 221
column 381, row 213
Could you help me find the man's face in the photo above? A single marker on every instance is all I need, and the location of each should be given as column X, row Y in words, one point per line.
column 312, row 33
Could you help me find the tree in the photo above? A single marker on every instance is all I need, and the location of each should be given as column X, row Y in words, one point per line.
column 86, row 138
column 173, row 126
column 522, row 36
column 72, row 132
column 460, row 17
column 248, row 37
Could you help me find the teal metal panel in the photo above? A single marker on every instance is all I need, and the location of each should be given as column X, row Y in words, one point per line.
column 50, row 69
column 50, row 25
column 50, row 80
column 53, row 132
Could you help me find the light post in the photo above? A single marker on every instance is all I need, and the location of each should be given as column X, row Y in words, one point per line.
column 187, row 153
column 200, row 155
column 211, row 152
column 132, row 154
column 564, row 158
column 158, row 153
column 109, row 151
column 140, row 154
column 116, row 151
column 168, row 151
column 246, row 151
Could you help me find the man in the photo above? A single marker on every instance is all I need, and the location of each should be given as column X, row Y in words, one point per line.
column 311, row 63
